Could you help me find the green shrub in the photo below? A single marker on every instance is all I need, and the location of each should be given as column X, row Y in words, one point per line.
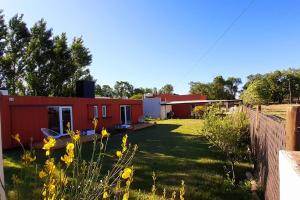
column 229, row 134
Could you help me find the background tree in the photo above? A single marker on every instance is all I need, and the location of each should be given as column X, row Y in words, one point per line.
column 123, row 89
column 62, row 67
column 81, row 59
column 12, row 63
column 167, row 89
column 107, row 91
column 137, row 96
column 3, row 32
column 98, row 90
column 219, row 88
column 38, row 57
column 257, row 93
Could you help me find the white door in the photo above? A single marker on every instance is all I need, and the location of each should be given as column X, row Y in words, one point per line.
column 65, row 116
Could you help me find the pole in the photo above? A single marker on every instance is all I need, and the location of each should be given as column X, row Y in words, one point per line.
column 2, row 192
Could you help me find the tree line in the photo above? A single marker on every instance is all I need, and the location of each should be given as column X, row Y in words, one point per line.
column 123, row 89
column 275, row 87
column 219, row 88
column 34, row 61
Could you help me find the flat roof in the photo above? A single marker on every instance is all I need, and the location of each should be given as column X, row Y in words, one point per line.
column 196, row 101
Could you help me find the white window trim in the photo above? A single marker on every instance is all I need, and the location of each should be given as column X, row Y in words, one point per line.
column 61, row 128
column 96, row 112
column 60, row 118
column 104, row 111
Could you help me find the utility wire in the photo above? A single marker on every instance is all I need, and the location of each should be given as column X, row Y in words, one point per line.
column 221, row 36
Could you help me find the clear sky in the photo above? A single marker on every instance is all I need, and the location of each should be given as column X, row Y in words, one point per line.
column 153, row 42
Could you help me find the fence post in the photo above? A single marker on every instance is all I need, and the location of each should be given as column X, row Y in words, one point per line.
column 2, row 192
column 292, row 128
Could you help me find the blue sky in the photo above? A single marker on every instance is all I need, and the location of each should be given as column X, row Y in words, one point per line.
column 153, row 42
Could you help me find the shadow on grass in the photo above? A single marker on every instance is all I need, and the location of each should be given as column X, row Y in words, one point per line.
column 174, row 157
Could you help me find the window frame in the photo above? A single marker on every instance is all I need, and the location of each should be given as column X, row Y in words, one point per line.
column 104, row 108
column 60, row 109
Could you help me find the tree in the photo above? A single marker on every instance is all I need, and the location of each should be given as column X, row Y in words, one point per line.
column 123, row 89
column 231, row 86
column 137, row 96
column 38, row 57
column 107, row 91
column 167, row 89
column 219, row 88
column 229, row 134
column 257, row 93
column 12, row 62
column 62, row 67
column 3, row 33
column 98, row 90
column 81, row 59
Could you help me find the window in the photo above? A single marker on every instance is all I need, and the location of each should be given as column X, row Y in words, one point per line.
column 104, row 111
column 96, row 115
column 59, row 117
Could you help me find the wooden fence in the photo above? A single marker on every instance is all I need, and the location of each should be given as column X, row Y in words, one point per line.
column 268, row 136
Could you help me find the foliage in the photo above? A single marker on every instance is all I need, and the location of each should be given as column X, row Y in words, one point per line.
column 123, row 89
column 76, row 177
column 34, row 62
column 284, row 84
column 229, row 134
column 167, row 89
column 218, row 89
column 257, row 93
column 137, row 96
column 198, row 111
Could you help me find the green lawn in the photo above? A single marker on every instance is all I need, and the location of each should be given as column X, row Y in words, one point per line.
column 175, row 151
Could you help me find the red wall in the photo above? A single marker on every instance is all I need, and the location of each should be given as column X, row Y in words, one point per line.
column 26, row 115
column 183, row 110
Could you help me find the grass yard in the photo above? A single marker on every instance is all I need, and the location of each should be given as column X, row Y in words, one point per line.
column 175, row 151
column 278, row 110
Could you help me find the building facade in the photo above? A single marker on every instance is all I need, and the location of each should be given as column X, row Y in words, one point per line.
column 26, row 115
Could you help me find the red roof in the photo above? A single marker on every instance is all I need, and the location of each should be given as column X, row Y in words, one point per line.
column 187, row 97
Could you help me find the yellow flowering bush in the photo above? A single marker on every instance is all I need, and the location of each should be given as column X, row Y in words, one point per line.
column 75, row 177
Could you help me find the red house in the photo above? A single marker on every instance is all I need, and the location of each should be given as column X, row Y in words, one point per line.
column 26, row 115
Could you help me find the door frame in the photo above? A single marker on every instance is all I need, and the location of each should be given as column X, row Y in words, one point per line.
column 61, row 126
column 125, row 111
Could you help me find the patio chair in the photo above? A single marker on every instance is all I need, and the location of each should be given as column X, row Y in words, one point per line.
column 50, row 133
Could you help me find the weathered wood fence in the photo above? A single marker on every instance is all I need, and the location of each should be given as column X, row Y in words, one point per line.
column 268, row 136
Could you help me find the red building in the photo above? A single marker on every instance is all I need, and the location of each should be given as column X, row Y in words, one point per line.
column 181, row 105
column 26, row 115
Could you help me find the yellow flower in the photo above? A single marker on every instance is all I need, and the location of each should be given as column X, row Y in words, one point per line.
column 105, row 195
column 126, row 196
column 48, row 144
column 126, row 173
column 119, row 154
column 76, row 137
column 104, row 133
column 26, row 157
column 70, row 148
column 17, row 137
column 42, row 174
column 50, row 165
column 69, row 157
column 124, row 143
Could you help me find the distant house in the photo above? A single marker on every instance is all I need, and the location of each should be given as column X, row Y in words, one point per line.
column 181, row 105
column 26, row 115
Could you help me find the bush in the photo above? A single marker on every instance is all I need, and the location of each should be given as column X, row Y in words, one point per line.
column 198, row 111
column 229, row 134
